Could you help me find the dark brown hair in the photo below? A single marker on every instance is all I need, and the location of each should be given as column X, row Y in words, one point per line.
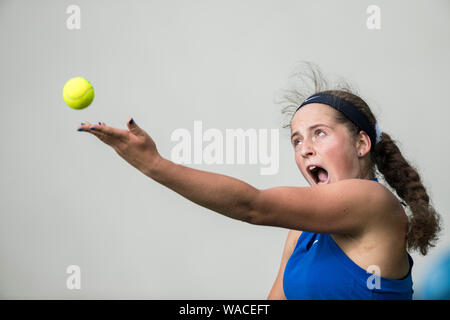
column 385, row 156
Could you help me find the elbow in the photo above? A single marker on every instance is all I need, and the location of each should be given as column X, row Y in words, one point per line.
column 253, row 217
column 254, row 214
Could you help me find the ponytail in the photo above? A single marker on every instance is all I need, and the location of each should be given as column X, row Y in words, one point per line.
column 424, row 221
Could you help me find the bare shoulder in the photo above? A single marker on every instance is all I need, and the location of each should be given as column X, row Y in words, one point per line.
column 390, row 206
column 378, row 205
column 348, row 206
column 385, row 217
column 379, row 198
column 383, row 241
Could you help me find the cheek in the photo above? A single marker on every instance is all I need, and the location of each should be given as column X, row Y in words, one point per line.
column 339, row 154
column 298, row 161
column 333, row 148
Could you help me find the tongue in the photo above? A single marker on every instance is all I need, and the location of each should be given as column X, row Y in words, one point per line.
column 322, row 175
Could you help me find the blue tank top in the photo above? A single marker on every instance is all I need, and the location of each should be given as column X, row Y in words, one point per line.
column 318, row 269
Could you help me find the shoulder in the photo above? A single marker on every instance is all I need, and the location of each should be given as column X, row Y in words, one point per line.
column 359, row 193
column 383, row 199
column 364, row 202
column 346, row 206
column 364, row 192
column 377, row 203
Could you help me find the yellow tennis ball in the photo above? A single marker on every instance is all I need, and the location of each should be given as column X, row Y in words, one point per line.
column 78, row 93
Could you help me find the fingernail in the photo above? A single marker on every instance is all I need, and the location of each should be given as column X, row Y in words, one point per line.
column 82, row 123
column 92, row 128
column 131, row 121
column 100, row 123
column 80, row 129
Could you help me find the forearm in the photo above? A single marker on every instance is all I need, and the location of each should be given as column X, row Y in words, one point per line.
column 223, row 194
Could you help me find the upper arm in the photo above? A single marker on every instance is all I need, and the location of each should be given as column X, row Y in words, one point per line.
column 277, row 292
column 346, row 206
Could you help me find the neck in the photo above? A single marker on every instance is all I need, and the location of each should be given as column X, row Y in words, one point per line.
column 365, row 170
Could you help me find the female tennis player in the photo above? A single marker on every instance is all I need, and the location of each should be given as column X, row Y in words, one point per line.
column 349, row 235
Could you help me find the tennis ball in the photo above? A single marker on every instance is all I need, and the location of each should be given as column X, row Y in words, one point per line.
column 78, row 93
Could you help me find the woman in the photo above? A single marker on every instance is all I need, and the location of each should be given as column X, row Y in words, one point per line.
column 349, row 234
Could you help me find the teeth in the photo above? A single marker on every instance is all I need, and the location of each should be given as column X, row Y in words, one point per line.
column 312, row 168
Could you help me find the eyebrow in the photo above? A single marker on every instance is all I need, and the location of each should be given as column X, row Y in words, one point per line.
column 297, row 133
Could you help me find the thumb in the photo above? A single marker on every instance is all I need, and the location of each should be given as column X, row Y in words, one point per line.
column 133, row 127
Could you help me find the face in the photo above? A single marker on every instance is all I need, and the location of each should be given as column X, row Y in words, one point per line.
column 318, row 140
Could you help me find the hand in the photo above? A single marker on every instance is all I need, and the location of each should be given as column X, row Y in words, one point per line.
column 133, row 145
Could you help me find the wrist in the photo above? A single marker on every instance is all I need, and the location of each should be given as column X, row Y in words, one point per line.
column 154, row 167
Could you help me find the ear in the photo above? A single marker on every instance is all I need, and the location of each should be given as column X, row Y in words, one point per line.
column 363, row 143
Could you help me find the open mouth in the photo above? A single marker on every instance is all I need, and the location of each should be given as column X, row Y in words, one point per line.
column 319, row 174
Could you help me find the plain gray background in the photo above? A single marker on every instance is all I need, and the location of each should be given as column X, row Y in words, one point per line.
column 68, row 199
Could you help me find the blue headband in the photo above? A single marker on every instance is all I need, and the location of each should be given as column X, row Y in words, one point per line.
column 349, row 110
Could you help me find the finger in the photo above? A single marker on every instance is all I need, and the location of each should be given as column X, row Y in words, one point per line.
column 134, row 128
column 96, row 130
column 85, row 126
column 97, row 133
column 109, row 131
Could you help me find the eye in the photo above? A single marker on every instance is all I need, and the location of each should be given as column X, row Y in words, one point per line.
column 297, row 142
column 319, row 130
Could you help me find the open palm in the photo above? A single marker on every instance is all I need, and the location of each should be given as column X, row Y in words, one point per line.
column 134, row 145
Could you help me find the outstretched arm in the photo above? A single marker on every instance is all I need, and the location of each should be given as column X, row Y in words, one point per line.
column 223, row 194
column 347, row 206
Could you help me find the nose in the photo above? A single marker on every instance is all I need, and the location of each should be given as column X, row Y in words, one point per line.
column 307, row 148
